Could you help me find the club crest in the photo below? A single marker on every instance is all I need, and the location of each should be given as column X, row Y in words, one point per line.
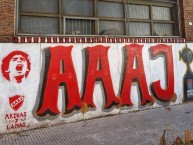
column 16, row 102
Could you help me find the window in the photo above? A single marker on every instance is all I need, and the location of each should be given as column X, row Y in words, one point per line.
column 98, row 17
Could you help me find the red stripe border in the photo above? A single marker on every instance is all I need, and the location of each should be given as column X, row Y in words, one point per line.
column 27, row 39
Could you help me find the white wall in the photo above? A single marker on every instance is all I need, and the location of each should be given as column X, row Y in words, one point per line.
column 30, row 86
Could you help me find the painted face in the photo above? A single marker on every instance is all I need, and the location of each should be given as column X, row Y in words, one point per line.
column 17, row 66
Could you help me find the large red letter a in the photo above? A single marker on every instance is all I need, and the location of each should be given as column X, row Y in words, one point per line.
column 136, row 75
column 54, row 76
column 98, row 69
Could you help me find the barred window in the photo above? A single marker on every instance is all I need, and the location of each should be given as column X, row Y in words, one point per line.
column 98, row 17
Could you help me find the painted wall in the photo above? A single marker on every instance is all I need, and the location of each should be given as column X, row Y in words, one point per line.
column 43, row 84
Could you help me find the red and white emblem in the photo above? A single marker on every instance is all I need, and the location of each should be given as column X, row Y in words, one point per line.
column 16, row 102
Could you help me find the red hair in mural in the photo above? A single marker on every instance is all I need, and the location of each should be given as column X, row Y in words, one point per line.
column 15, row 66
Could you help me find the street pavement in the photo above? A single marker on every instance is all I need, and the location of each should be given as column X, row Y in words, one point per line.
column 136, row 128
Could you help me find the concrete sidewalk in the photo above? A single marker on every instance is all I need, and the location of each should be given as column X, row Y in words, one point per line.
column 139, row 128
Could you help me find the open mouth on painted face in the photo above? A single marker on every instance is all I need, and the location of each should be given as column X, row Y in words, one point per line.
column 19, row 68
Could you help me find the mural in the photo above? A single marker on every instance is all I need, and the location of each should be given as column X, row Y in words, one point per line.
column 64, row 83
column 97, row 69
column 15, row 68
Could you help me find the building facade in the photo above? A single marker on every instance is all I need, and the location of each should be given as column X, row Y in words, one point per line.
column 98, row 18
column 69, row 60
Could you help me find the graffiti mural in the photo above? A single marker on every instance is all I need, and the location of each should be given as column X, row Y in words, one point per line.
column 52, row 83
column 97, row 69
column 15, row 68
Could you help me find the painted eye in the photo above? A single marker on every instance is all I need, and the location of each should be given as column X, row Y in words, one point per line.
column 22, row 59
column 14, row 59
